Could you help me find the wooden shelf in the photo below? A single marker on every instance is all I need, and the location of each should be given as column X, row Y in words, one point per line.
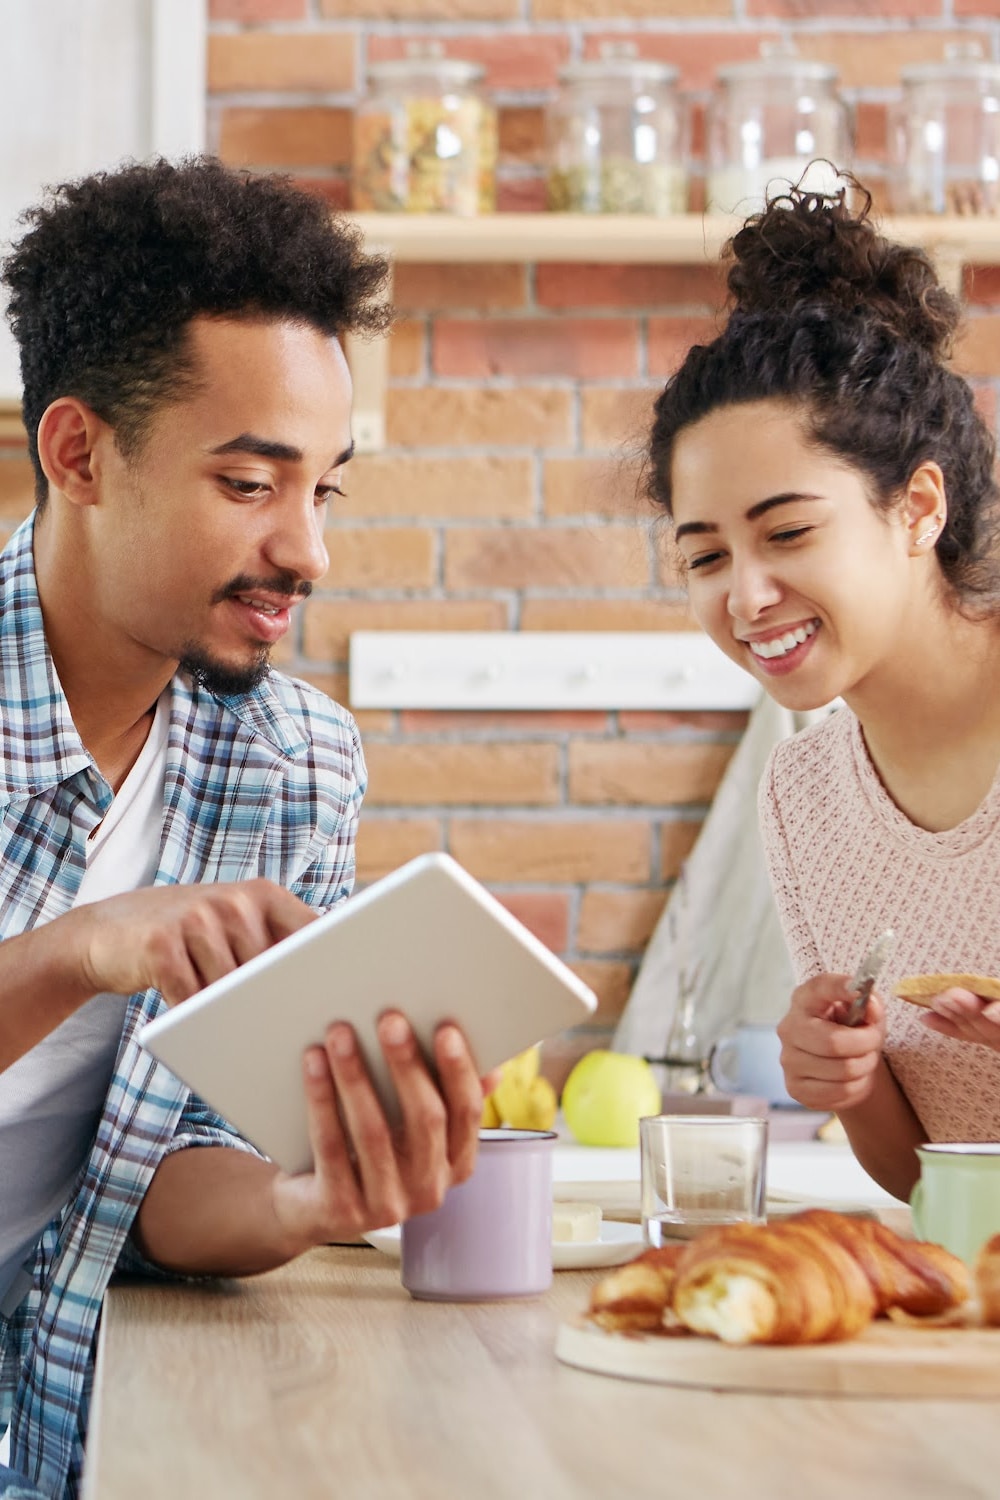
column 616, row 239
column 685, row 239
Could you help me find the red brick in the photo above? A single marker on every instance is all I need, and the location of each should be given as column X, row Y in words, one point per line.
column 314, row 136
column 323, row 62
column 669, row 340
column 618, row 921
column 870, row 131
column 252, row 12
column 697, row 54
column 866, row 59
column 521, row 195
column 982, row 285
column 522, row 135
column 665, row 721
column 605, row 614
column 472, row 774
column 599, row 10
column 677, row 839
column 380, row 557
column 977, row 351
column 803, row 10
column 417, row 721
column 611, row 983
column 485, row 288
column 387, row 486
column 528, row 416
column 608, row 487
column 629, row 772
column 386, row 843
column 525, row 60
column 558, row 285
column 584, row 348
column 551, row 849
column 560, row 557
column 545, row 913
column 976, row 7
column 616, row 418
column 406, row 348
column 17, row 488
column 420, row 10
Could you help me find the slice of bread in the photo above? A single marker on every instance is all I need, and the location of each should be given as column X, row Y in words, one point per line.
column 920, row 989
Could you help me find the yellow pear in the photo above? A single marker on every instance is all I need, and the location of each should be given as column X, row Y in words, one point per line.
column 490, row 1118
column 516, row 1077
column 542, row 1105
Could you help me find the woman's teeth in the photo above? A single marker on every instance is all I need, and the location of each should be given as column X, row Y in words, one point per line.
column 782, row 644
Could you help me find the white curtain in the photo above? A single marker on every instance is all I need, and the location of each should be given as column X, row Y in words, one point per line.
column 717, row 956
column 87, row 83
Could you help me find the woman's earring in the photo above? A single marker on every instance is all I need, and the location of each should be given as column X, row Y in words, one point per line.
column 927, row 536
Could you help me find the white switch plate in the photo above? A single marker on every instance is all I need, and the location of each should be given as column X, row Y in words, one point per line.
column 544, row 670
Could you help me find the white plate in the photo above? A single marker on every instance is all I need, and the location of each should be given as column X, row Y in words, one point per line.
column 617, row 1244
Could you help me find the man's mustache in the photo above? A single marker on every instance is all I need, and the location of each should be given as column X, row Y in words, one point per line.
column 281, row 583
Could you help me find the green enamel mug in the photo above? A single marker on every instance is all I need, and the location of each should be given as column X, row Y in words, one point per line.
column 956, row 1202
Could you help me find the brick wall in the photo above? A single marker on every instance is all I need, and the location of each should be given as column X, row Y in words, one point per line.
column 507, row 496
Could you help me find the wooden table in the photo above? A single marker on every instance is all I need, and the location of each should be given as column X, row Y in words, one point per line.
column 325, row 1379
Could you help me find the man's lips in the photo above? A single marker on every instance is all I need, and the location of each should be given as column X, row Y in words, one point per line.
column 267, row 616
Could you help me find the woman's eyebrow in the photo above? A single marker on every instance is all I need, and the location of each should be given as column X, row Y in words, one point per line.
column 698, row 528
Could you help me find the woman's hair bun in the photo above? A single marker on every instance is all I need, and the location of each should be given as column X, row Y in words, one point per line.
column 812, row 248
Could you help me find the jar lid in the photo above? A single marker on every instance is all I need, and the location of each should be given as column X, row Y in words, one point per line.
column 639, row 70
column 449, row 70
column 765, row 69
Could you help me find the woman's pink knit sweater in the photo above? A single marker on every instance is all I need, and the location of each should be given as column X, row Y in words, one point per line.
column 846, row 864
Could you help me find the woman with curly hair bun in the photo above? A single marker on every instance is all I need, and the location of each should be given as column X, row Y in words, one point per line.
column 831, row 489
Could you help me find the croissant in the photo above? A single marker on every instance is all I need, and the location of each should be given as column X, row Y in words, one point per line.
column 988, row 1280
column 637, row 1296
column 788, row 1283
column 919, row 1278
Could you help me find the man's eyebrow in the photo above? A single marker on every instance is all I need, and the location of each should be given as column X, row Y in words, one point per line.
column 699, row 528
column 261, row 447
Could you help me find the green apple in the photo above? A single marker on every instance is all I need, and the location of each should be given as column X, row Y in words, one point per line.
column 605, row 1096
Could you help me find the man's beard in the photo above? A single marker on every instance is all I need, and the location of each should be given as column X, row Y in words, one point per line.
column 219, row 677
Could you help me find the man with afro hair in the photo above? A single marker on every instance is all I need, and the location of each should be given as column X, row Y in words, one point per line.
column 170, row 804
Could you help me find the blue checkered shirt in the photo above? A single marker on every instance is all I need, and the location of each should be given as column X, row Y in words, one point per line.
column 268, row 783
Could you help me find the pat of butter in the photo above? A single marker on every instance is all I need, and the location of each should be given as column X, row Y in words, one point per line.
column 576, row 1222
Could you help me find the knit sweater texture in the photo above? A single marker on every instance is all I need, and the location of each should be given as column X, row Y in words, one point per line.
column 845, row 864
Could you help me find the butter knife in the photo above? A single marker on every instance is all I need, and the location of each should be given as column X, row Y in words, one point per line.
column 864, row 980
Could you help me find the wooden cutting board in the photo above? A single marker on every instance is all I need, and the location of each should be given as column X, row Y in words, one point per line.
column 889, row 1359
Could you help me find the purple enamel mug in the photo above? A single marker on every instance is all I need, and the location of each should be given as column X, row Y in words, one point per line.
column 492, row 1235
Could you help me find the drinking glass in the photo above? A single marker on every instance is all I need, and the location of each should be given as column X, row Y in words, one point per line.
column 699, row 1171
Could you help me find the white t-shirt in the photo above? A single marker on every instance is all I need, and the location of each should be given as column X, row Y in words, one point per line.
column 51, row 1098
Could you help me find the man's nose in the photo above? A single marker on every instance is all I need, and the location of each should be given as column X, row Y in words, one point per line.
column 297, row 544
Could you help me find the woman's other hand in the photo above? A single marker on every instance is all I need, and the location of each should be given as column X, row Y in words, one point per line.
column 964, row 1016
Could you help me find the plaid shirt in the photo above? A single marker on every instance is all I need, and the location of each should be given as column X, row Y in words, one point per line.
column 267, row 783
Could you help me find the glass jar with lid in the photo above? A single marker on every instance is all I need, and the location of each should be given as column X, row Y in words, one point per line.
column 615, row 137
column 777, row 120
column 944, row 136
column 425, row 140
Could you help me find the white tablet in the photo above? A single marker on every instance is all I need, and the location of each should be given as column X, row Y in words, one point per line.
column 427, row 939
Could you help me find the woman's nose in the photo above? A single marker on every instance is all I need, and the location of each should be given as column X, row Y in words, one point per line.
column 752, row 589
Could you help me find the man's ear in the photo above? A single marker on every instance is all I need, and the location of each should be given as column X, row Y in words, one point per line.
column 68, row 435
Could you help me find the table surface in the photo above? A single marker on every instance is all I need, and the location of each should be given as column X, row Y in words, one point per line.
column 324, row 1377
